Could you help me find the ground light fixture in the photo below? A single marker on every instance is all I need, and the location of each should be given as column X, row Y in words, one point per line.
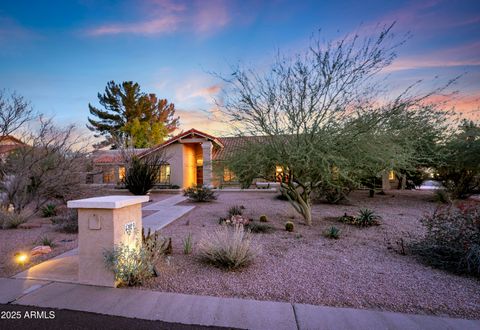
column 21, row 258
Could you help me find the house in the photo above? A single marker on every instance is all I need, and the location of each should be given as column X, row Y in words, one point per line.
column 8, row 144
column 189, row 159
column 192, row 158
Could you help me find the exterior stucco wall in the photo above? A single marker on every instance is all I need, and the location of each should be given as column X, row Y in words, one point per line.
column 174, row 154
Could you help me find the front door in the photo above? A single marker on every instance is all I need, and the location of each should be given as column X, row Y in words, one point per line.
column 199, row 175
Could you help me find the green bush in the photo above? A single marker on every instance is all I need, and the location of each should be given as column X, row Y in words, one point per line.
column 332, row 232
column 256, row 227
column 47, row 241
column 66, row 223
column 441, row 196
column 227, row 247
column 289, row 226
column 235, row 210
column 452, row 239
column 365, row 218
column 11, row 220
column 200, row 194
column 263, row 218
column 49, row 210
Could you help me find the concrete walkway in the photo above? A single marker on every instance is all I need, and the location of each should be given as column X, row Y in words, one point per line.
column 167, row 212
column 212, row 311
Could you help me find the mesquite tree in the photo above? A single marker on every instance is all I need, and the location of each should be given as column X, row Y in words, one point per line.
column 317, row 118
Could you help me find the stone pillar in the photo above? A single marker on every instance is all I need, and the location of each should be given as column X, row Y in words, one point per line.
column 207, row 163
column 104, row 222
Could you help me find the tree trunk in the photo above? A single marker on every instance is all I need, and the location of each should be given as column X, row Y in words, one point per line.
column 300, row 201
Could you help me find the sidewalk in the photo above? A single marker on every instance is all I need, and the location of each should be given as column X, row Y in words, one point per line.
column 211, row 311
column 167, row 212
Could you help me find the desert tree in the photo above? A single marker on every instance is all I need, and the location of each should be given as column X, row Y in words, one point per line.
column 49, row 167
column 15, row 112
column 318, row 116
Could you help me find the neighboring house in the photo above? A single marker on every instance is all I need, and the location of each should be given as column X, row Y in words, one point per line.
column 8, row 144
column 189, row 160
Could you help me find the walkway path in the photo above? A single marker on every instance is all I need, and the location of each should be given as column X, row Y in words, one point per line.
column 212, row 311
column 167, row 212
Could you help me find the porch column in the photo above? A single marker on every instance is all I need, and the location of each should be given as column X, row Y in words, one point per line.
column 207, row 163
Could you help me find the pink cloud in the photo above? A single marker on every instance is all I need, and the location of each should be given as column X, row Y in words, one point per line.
column 156, row 26
column 166, row 16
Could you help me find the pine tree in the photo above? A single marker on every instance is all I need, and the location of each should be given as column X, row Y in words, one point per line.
column 126, row 107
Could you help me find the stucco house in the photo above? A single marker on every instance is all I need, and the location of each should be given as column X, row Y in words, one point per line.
column 189, row 161
column 8, row 144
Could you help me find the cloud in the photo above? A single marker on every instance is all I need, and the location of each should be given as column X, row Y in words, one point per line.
column 160, row 17
column 157, row 26
column 11, row 30
column 462, row 55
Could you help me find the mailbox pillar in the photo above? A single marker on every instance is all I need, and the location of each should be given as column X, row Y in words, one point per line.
column 104, row 222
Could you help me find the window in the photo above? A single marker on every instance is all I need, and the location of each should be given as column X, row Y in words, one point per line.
column 108, row 175
column 121, row 173
column 391, row 175
column 228, row 176
column 163, row 176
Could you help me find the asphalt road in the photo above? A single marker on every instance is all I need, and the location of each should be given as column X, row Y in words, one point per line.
column 24, row 317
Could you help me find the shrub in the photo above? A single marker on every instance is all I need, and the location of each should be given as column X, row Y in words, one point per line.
column 332, row 232
column 187, row 244
column 235, row 210
column 156, row 243
column 200, row 194
column 11, row 220
column 67, row 223
column 49, row 210
column 140, row 176
column 256, row 227
column 227, row 247
column 366, row 218
column 289, row 226
column 452, row 239
column 47, row 242
column 263, row 218
column 441, row 196
column 132, row 265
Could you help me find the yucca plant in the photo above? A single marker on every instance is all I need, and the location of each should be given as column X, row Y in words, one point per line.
column 332, row 232
column 49, row 210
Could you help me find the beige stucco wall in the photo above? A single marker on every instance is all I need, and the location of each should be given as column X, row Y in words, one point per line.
column 174, row 154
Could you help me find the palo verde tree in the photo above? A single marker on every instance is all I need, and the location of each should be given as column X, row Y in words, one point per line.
column 317, row 117
column 137, row 119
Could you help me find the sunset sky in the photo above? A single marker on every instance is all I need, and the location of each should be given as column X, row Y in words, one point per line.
column 60, row 54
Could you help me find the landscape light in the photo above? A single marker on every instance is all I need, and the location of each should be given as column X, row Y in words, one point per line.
column 21, row 258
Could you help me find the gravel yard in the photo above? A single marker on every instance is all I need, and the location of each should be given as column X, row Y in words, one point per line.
column 357, row 270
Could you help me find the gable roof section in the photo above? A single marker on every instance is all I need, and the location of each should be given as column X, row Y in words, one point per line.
column 6, row 147
column 112, row 156
column 191, row 133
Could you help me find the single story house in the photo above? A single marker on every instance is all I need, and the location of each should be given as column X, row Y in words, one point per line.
column 189, row 160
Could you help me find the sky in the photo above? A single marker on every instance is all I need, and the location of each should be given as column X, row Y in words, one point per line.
column 60, row 54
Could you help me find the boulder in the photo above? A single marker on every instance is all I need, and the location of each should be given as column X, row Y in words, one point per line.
column 41, row 249
column 29, row 225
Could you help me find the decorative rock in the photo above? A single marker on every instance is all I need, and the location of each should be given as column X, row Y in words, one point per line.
column 41, row 249
column 237, row 220
column 29, row 225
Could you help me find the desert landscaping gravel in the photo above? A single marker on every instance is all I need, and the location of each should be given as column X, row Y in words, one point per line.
column 361, row 269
